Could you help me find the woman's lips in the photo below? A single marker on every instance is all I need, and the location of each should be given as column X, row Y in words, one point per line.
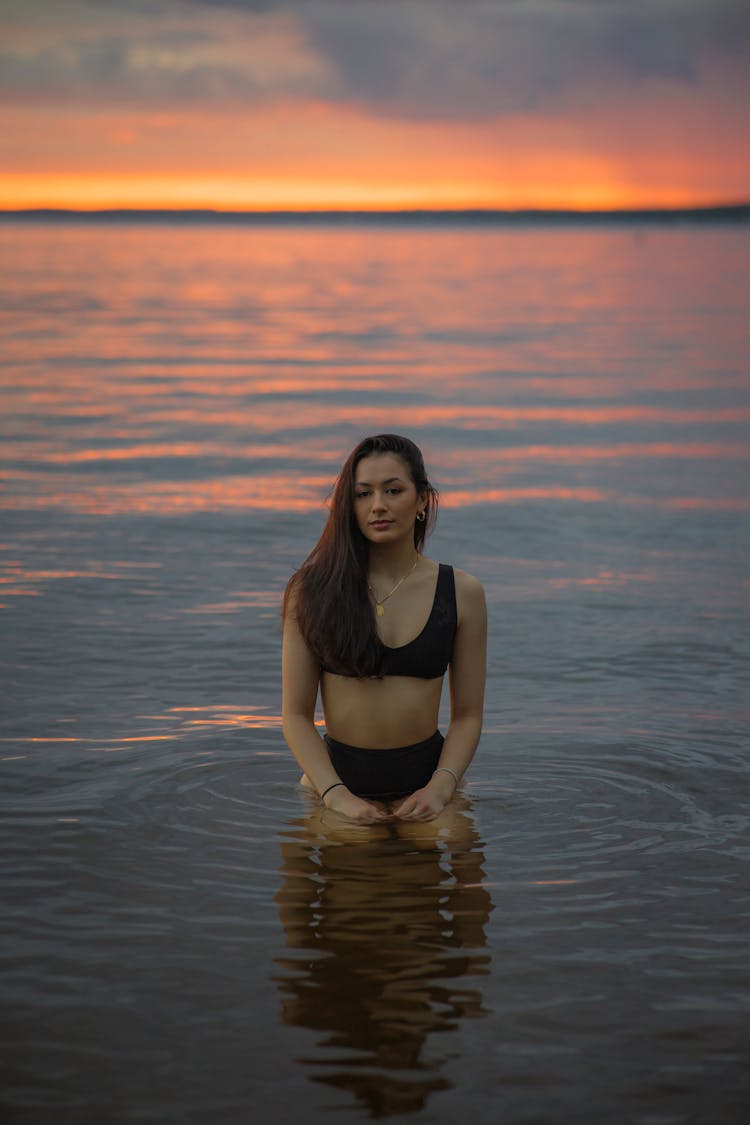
column 378, row 524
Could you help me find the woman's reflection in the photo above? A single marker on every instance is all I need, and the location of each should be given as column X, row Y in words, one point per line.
column 395, row 914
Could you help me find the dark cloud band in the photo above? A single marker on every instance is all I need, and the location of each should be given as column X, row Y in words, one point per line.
column 410, row 59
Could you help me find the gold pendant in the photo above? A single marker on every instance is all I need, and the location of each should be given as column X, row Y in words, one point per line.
column 379, row 609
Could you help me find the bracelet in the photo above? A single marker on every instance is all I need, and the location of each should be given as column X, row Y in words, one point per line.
column 330, row 787
column 447, row 769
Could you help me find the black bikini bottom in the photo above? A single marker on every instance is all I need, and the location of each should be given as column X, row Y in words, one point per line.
column 385, row 774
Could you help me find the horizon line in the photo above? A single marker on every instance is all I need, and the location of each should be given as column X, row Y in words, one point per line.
column 739, row 211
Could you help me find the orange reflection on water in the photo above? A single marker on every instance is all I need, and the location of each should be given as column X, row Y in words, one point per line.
column 153, row 350
column 241, row 600
column 246, row 722
column 170, row 497
column 603, row 579
column 99, row 741
column 456, row 498
column 553, row 882
column 164, row 450
column 13, row 572
column 46, row 574
column 270, row 417
column 447, row 457
column 277, row 494
column 228, row 715
column 723, row 503
column 573, row 454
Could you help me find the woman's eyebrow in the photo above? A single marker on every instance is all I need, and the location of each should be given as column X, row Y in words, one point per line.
column 391, row 480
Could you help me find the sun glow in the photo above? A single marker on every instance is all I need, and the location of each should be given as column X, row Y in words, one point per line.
column 91, row 192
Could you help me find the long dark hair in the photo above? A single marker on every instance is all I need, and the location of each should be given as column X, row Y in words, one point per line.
column 333, row 609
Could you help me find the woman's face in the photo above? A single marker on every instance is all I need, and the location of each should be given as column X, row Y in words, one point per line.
column 386, row 500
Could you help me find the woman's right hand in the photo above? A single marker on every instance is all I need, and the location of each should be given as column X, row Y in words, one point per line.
column 340, row 800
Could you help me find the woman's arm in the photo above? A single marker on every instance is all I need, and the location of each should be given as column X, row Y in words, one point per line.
column 300, row 675
column 467, row 678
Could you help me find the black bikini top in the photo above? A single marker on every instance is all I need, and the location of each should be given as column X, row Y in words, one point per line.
column 429, row 654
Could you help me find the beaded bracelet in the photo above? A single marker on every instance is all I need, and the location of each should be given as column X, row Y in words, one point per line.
column 447, row 769
column 330, row 787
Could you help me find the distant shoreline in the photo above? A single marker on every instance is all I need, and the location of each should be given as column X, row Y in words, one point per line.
column 652, row 216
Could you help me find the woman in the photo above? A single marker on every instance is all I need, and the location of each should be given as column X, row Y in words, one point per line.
column 375, row 625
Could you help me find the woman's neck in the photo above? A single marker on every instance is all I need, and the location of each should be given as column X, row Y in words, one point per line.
column 391, row 560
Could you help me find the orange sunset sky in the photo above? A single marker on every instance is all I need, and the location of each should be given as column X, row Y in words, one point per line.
column 254, row 104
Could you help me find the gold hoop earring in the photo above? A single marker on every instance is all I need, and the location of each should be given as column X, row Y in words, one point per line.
column 421, row 516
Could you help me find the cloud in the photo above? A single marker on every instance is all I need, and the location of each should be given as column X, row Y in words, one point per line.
column 412, row 59
column 466, row 59
column 158, row 53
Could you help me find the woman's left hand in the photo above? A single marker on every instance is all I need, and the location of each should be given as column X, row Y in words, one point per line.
column 427, row 803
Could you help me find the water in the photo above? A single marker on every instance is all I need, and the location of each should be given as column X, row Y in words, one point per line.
column 185, row 938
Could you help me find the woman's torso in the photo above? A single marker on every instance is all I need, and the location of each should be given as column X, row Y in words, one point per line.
column 398, row 710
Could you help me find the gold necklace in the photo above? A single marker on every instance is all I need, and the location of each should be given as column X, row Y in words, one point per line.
column 379, row 601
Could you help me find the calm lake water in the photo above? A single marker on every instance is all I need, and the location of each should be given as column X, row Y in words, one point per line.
column 185, row 937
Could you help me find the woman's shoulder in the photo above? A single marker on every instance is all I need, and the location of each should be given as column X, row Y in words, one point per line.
column 290, row 600
column 466, row 582
column 469, row 592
